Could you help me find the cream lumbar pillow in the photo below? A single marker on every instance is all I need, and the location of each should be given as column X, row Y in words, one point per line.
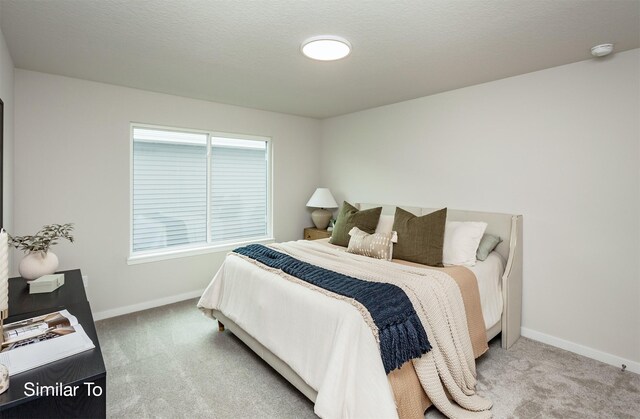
column 376, row 245
column 461, row 240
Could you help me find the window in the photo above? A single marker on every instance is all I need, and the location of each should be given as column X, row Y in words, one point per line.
column 193, row 189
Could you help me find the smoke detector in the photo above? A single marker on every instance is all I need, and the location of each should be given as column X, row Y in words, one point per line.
column 602, row 50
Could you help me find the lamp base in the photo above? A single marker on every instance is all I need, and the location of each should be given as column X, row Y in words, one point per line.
column 321, row 218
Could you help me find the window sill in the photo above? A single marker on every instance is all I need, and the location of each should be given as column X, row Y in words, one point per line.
column 201, row 250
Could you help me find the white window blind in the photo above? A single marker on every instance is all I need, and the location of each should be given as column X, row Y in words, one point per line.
column 238, row 190
column 196, row 189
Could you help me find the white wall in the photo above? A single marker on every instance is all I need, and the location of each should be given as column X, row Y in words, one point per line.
column 72, row 165
column 560, row 146
column 6, row 94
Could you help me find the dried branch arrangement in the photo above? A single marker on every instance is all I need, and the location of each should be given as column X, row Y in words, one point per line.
column 43, row 239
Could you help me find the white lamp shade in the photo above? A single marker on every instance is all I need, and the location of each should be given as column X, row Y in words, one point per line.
column 322, row 198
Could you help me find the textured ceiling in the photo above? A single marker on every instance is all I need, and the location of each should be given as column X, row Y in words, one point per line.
column 247, row 53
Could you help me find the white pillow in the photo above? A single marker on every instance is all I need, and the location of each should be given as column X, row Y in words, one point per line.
column 385, row 224
column 461, row 240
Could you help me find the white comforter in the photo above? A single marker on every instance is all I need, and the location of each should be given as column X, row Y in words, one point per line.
column 340, row 357
column 327, row 342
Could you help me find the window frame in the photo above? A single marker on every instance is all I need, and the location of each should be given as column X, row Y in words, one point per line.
column 154, row 255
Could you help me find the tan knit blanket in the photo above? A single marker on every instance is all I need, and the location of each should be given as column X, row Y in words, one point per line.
column 436, row 298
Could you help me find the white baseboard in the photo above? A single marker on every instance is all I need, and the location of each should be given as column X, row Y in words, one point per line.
column 605, row 357
column 101, row 315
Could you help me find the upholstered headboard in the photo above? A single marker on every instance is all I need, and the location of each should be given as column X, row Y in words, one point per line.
column 509, row 228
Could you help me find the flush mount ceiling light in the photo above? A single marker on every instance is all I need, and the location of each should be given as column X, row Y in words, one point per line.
column 601, row 50
column 326, row 48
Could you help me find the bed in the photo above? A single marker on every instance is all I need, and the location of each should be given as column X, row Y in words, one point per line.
column 274, row 317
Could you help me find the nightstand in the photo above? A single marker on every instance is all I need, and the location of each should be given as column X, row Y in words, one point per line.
column 312, row 233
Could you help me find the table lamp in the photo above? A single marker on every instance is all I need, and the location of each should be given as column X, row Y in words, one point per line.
column 321, row 199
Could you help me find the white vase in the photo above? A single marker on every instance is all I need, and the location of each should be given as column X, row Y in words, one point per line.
column 36, row 264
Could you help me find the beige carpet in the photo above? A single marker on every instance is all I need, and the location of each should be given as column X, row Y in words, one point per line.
column 171, row 362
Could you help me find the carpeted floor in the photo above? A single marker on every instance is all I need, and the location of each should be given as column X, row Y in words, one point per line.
column 171, row 362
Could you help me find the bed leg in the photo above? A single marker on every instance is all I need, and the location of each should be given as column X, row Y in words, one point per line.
column 220, row 326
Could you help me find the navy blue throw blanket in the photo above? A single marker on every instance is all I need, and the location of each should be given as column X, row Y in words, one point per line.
column 402, row 336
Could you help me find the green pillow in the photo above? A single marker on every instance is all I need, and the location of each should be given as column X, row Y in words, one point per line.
column 349, row 217
column 420, row 239
column 486, row 246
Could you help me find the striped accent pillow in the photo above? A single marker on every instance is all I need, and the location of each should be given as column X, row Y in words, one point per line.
column 376, row 245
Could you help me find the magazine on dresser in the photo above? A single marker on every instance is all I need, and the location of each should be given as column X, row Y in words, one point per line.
column 42, row 339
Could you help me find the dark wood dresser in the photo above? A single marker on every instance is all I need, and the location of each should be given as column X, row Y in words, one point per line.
column 85, row 370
